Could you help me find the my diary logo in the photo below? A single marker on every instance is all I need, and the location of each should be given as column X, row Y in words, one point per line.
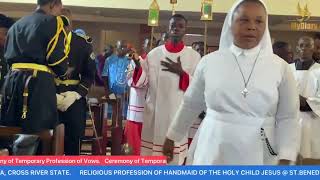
column 303, row 22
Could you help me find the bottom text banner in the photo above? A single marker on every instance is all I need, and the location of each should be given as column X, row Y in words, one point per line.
column 159, row 172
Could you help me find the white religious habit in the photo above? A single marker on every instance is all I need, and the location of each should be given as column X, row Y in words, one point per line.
column 164, row 95
column 251, row 119
column 308, row 86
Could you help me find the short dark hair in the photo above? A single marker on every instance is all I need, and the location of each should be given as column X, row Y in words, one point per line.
column 5, row 21
column 316, row 36
column 279, row 45
column 179, row 16
column 65, row 11
column 198, row 42
column 108, row 46
column 45, row 2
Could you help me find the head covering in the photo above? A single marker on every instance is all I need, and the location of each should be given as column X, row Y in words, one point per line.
column 80, row 31
column 226, row 39
column 5, row 21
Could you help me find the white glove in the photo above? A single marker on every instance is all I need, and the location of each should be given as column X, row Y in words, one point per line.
column 111, row 96
column 59, row 101
column 69, row 98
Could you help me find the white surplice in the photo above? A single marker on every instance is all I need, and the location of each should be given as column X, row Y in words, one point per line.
column 137, row 98
column 309, row 87
column 163, row 99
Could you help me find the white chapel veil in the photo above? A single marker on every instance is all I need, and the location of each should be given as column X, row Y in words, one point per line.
column 226, row 39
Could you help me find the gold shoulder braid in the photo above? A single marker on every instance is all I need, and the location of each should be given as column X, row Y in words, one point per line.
column 53, row 42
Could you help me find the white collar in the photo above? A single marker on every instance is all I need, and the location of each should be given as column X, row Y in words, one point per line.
column 246, row 52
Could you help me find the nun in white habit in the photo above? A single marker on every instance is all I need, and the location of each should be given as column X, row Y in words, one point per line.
column 250, row 95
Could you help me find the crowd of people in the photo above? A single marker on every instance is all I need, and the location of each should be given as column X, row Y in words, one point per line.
column 248, row 103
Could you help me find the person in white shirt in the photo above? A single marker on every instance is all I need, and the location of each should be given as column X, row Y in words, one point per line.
column 133, row 127
column 307, row 74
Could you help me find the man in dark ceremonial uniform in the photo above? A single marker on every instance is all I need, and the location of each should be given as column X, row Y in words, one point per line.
column 5, row 24
column 36, row 50
column 75, row 87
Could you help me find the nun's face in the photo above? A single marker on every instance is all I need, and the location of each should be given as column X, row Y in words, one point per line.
column 248, row 25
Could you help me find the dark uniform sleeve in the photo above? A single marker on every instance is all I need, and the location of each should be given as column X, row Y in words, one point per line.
column 87, row 72
column 58, row 47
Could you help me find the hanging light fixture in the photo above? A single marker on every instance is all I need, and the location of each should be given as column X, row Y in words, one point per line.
column 206, row 10
column 173, row 3
column 153, row 18
column 206, row 15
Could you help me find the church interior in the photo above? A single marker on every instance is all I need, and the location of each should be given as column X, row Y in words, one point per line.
column 107, row 22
